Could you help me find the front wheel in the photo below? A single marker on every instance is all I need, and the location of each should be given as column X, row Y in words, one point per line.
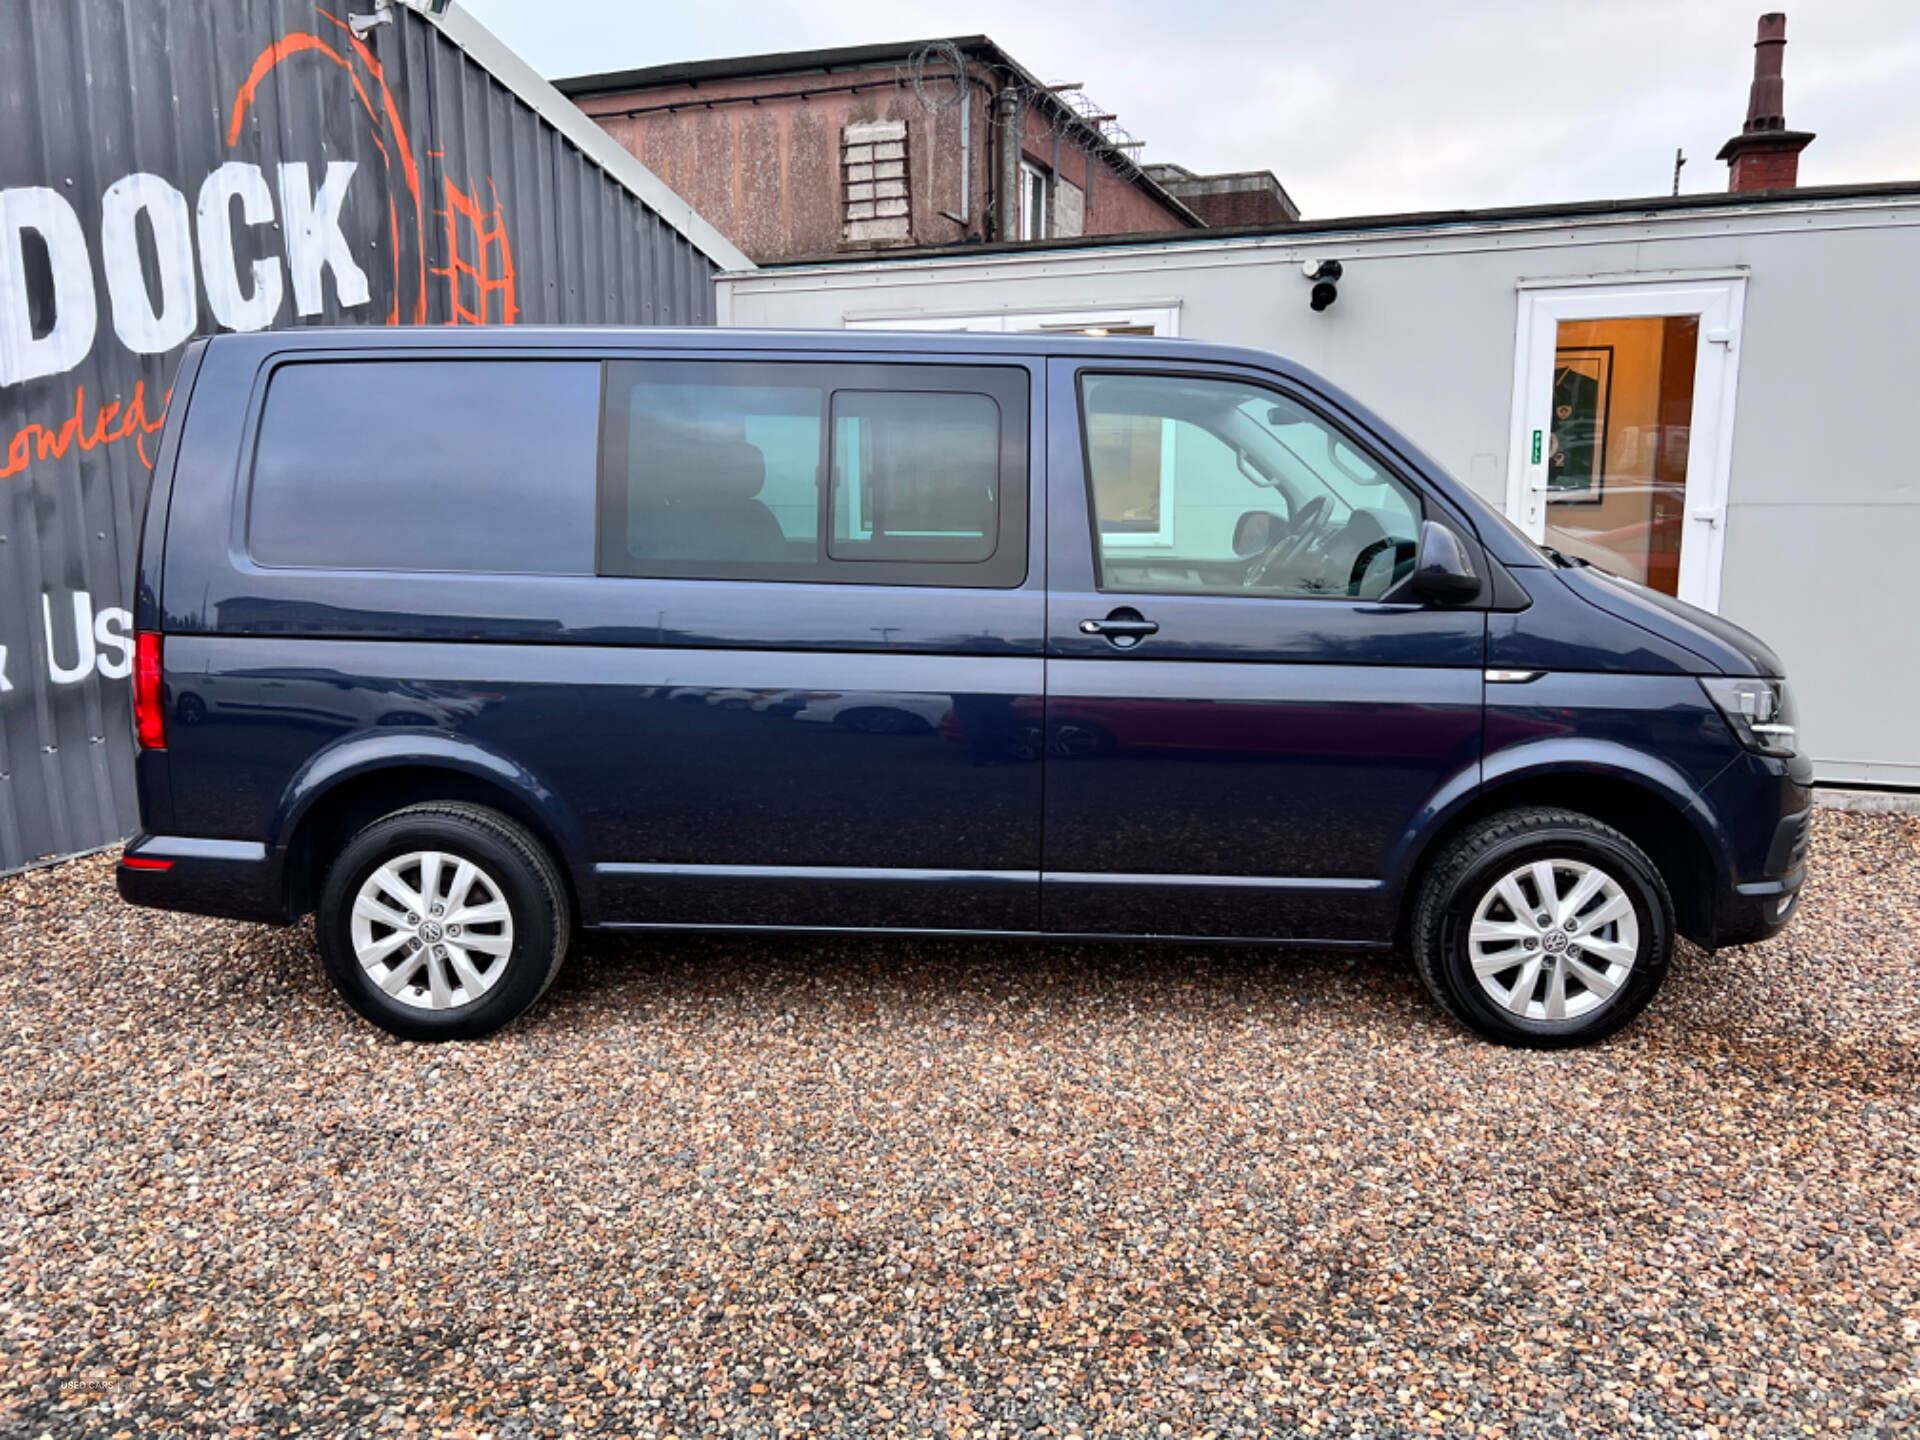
column 443, row 921
column 1543, row 928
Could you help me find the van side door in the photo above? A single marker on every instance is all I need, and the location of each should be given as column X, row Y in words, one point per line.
column 840, row 637
column 1245, row 717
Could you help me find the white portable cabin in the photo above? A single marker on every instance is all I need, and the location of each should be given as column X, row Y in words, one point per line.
column 1778, row 450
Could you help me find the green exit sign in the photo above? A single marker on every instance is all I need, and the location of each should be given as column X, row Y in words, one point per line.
column 1536, row 447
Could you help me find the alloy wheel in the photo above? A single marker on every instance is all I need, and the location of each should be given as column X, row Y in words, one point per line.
column 432, row 929
column 1553, row 940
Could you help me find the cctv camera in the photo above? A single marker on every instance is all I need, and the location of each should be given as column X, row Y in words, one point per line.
column 1323, row 273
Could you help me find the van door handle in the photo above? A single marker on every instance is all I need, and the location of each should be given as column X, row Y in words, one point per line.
column 1124, row 627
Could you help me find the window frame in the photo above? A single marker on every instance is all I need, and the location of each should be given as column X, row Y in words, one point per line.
column 1356, row 439
column 1008, row 387
column 1035, row 178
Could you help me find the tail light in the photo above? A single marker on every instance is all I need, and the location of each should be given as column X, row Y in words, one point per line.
column 149, row 710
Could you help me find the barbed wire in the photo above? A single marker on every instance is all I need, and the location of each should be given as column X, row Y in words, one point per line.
column 937, row 74
column 915, row 74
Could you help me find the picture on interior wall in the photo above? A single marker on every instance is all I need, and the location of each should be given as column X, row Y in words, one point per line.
column 1582, row 396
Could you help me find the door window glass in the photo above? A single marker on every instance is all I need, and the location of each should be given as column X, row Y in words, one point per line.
column 914, row 476
column 1617, row 448
column 1220, row 486
column 839, row 473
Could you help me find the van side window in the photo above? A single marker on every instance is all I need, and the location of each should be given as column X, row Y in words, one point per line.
column 1219, row 486
column 915, row 476
column 849, row 474
column 427, row 465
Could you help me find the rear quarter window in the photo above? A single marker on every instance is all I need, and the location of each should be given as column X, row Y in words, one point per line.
column 428, row 465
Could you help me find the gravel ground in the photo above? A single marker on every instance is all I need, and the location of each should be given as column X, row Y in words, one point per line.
column 796, row 1186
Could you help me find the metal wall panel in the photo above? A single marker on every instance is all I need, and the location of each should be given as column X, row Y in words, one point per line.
column 169, row 170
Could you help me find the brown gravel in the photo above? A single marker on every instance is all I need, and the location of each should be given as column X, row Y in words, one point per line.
column 797, row 1186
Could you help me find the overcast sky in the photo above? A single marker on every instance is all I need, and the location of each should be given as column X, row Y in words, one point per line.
column 1363, row 107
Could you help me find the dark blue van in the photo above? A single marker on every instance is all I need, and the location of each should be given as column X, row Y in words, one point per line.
column 467, row 640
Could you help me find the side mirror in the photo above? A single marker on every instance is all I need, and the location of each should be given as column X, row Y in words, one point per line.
column 1442, row 571
column 1256, row 532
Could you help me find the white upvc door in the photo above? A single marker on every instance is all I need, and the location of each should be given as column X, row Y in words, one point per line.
column 1540, row 497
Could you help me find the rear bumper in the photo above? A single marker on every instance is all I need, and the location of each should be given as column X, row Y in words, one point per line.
column 234, row 879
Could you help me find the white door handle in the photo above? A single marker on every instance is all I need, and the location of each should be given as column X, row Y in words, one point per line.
column 1709, row 513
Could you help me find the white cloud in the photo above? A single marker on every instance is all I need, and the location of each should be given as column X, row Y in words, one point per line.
column 1366, row 107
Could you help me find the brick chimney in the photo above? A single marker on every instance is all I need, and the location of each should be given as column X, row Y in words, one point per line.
column 1765, row 155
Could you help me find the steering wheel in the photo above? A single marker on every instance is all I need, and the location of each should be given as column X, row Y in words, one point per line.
column 1363, row 562
column 1300, row 534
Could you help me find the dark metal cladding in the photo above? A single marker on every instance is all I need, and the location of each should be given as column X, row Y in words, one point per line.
column 175, row 170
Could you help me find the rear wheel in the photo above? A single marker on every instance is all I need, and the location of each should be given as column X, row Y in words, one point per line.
column 1543, row 928
column 443, row 921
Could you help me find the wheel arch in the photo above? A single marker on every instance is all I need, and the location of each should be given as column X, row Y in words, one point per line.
column 343, row 790
column 1646, row 800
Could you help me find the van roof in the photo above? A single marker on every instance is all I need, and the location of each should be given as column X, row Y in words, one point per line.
column 703, row 339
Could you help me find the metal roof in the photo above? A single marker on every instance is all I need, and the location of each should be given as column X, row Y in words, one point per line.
column 780, row 62
column 551, row 104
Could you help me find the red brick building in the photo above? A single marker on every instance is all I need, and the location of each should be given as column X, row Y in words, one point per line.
column 813, row 152
column 1244, row 197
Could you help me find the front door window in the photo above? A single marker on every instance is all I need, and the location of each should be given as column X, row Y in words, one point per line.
column 1218, row 487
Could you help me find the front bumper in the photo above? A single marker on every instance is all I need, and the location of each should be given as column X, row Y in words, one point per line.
column 233, row 879
column 1776, row 829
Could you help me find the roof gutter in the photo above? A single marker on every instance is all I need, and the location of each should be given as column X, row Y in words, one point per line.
column 1802, row 198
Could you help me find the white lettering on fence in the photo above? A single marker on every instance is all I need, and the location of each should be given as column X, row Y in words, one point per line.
column 24, row 356
column 310, row 233
column 231, row 306
column 313, row 233
column 141, row 328
column 102, row 643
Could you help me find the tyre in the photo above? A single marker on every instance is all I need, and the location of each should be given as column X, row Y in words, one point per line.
column 1543, row 928
column 443, row 921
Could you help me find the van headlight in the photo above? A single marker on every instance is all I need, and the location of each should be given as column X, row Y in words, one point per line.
column 1760, row 712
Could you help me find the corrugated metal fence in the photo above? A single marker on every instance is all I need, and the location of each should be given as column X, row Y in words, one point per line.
column 173, row 169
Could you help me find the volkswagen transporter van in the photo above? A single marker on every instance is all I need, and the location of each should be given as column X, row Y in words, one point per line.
column 464, row 642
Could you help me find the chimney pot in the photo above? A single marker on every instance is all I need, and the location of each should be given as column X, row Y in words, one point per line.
column 1765, row 155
